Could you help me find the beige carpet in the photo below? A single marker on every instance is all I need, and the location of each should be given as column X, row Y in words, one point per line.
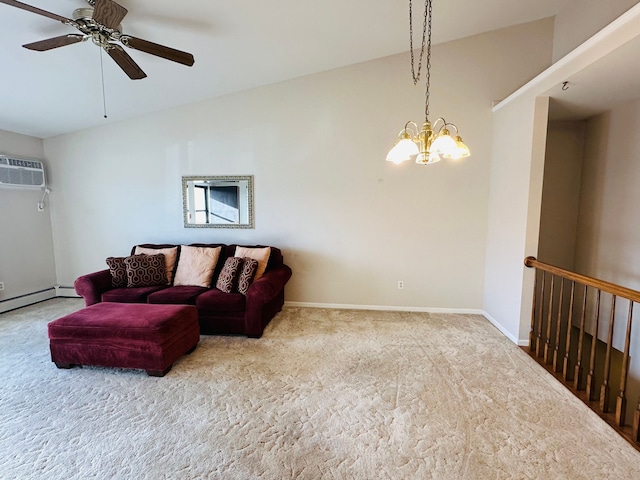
column 324, row 394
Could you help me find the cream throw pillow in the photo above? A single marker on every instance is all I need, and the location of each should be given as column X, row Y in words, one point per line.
column 259, row 254
column 196, row 265
column 170, row 255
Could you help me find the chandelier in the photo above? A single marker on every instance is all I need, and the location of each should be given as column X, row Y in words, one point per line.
column 432, row 142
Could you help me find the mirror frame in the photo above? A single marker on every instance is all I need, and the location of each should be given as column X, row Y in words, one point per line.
column 232, row 178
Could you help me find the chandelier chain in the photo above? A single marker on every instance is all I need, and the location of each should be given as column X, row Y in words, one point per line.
column 426, row 94
column 416, row 77
column 426, row 42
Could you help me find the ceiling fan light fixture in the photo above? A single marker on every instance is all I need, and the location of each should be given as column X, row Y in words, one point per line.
column 83, row 13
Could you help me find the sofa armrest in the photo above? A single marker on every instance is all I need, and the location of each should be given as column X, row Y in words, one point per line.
column 259, row 294
column 93, row 285
column 269, row 285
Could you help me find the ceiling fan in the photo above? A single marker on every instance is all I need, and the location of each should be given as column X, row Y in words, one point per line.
column 101, row 24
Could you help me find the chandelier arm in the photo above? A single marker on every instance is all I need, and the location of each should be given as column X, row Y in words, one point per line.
column 444, row 124
column 413, row 124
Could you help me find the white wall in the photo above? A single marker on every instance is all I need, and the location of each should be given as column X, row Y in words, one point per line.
column 26, row 246
column 514, row 211
column 580, row 19
column 608, row 237
column 350, row 224
column 561, row 193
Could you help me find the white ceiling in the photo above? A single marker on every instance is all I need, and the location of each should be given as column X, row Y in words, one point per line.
column 603, row 85
column 237, row 45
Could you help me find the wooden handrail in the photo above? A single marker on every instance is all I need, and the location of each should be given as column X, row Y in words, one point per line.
column 628, row 293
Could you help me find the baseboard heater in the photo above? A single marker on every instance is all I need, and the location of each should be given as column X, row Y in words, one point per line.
column 66, row 291
column 20, row 301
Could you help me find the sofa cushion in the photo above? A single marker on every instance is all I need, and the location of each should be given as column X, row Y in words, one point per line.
column 145, row 270
column 118, row 271
column 215, row 300
column 249, row 267
column 259, row 254
column 196, row 266
column 130, row 295
column 170, row 256
column 228, row 278
column 176, row 295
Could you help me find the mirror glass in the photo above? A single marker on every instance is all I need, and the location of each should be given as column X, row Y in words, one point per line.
column 218, row 202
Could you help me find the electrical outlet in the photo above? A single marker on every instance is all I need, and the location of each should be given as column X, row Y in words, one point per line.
column 400, row 284
column 1, row 285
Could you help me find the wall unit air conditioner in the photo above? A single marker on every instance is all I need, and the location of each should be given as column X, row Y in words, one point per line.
column 21, row 173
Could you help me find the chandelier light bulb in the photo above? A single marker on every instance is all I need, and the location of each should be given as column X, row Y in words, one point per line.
column 403, row 150
column 462, row 150
column 444, row 144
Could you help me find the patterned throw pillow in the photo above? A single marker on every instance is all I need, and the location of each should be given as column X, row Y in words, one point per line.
column 249, row 268
column 229, row 274
column 170, row 256
column 146, row 270
column 118, row 272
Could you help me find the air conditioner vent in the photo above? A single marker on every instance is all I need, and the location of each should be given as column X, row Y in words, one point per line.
column 21, row 173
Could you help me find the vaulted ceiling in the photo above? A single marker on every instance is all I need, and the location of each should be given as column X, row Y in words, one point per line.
column 237, row 45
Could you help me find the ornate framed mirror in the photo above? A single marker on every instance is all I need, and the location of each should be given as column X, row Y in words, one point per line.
column 218, row 201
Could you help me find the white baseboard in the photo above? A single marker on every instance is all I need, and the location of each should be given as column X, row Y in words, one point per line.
column 385, row 308
column 498, row 325
column 28, row 299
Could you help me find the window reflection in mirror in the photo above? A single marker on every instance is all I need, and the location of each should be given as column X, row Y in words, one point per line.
column 218, row 202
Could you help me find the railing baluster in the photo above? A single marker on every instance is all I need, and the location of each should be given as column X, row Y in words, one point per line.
column 604, row 388
column 621, row 401
column 532, row 332
column 577, row 378
column 591, row 376
column 540, row 318
column 547, row 341
column 636, row 423
column 556, row 349
column 566, row 365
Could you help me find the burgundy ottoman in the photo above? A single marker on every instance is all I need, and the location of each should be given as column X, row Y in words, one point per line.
column 126, row 335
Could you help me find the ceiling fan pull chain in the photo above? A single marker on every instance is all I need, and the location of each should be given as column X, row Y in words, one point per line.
column 104, row 97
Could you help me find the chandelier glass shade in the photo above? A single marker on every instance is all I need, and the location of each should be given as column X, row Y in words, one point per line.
column 430, row 143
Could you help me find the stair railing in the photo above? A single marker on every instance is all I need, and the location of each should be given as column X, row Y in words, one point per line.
column 555, row 321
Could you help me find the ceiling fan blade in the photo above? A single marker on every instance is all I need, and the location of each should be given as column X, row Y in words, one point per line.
column 55, row 42
column 125, row 62
column 37, row 10
column 109, row 13
column 158, row 50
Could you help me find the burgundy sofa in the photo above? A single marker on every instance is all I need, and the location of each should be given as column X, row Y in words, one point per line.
column 218, row 312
